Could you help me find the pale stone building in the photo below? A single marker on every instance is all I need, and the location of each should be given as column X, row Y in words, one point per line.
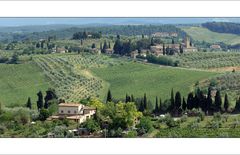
column 74, row 111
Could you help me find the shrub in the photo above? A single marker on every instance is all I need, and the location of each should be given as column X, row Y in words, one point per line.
column 131, row 134
column 145, row 124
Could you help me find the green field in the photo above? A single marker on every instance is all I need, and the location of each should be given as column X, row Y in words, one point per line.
column 20, row 81
column 137, row 79
column 203, row 34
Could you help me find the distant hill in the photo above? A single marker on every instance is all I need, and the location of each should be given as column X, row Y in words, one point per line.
column 204, row 34
column 223, row 27
column 67, row 33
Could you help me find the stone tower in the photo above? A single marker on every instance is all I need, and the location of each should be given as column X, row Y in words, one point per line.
column 187, row 42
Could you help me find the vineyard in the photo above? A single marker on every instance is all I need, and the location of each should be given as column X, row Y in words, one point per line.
column 70, row 77
column 209, row 60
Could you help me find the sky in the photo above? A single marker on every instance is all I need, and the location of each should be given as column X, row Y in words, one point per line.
column 83, row 21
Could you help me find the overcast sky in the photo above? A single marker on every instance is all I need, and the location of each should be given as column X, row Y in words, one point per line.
column 83, row 21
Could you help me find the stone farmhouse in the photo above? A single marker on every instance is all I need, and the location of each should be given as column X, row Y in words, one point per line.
column 74, row 111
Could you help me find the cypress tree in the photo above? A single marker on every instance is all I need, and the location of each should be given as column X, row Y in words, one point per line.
column 132, row 98
column 190, row 101
column 172, row 100
column 237, row 106
column 29, row 103
column 172, row 41
column 209, row 100
column 128, row 98
column 184, row 104
column 156, row 110
column 178, row 100
column 109, row 44
column 141, row 108
column 160, row 107
column 218, row 101
column 109, row 96
column 164, row 49
column 226, row 103
column 40, row 100
column 145, row 101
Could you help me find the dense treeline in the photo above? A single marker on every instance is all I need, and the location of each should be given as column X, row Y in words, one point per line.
column 85, row 35
column 223, row 27
column 127, row 30
column 162, row 60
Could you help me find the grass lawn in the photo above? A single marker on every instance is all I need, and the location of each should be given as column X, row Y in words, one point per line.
column 20, row 81
column 136, row 78
column 200, row 34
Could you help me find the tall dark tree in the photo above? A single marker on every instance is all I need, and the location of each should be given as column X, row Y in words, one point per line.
column 226, row 103
column 128, row 98
column 118, row 36
column 152, row 42
column 81, row 42
column 173, row 41
column 209, row 101
column 29, row 103
column 50, row 96
column 180, row 49
column 237, row 105
column 93, row 45
column 145, row 101
column 109, row 44
column 156, row 109
column 105, row 46
column 117, row 47
column 184, row 104
column 161, row 111
column 141, row 107
column 142, row 36
column 172, row 100
column 109, row 96
column 101, row 48
column 190, row 101
column 218, row 101
column 178, row 100
column 132, row 98
column 164, row 49
column 40, row 100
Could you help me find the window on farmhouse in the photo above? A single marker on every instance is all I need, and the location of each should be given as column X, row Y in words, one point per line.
column 75, row 112
column 61, row 111
column 69, row 111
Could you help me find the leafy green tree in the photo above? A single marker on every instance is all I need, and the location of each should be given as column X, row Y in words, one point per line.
column 43, row 114
column 91, row 125
column 14, row 59
column 29, row 103
column 145, row 124
column 109, row 96
column 226, row 103
column 218, row 101
column 40, row 100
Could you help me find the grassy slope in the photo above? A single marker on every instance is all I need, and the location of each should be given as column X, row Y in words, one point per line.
column 200, row 34
column 18, row 82
column 135, row 78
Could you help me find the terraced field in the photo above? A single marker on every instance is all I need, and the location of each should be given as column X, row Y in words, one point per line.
column 70, row 76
